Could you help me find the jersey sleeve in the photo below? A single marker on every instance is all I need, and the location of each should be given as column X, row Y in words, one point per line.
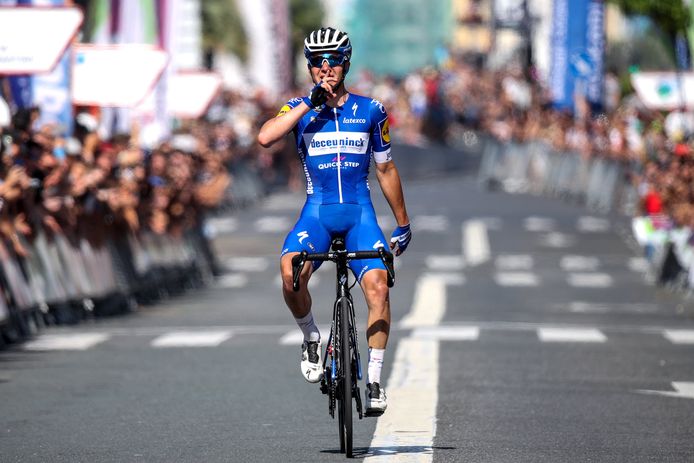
column 288, row 106
column 380, row 132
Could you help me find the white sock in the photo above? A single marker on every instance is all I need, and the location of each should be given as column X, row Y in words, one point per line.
column 375, row 364
column 308, row 327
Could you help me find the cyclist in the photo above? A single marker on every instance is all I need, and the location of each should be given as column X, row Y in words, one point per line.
column 337, row 134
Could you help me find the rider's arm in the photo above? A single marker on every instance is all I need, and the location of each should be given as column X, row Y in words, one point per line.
column 389, row 180
column 279, row 126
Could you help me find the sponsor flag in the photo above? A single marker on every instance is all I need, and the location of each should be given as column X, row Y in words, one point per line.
column 578, row 47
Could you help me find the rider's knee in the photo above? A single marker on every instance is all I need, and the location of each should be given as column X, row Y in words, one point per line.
column 376, row 289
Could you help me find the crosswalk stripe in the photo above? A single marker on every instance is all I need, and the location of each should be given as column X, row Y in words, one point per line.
column 191, row 339
column 432, row 223
column 514, row 262
column 590, row 280
column 638, row 264
column 538, row 224
column 247, row 264
column 588, row 335
column 312, row 283
column 447, row 333
column 516, row 279
column 557, row 240
column 445, row 263
column 232, row 280
column 571, row 263
column 72, row 341
column 475, row 242
column 273, row 224
column 296, row 337
column 222, row 224
column 679, row 336
column 588, row 224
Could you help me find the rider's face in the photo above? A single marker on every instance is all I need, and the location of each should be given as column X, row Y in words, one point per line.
column 328, row 73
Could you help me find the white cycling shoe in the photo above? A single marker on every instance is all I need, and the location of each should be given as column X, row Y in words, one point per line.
column 311, row 364
column 375, row 399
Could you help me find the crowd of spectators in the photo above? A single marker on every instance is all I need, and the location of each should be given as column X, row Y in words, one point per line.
column 83, row 186
column 62, row 184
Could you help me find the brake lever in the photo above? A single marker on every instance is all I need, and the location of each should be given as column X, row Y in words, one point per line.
column 387, row 259
column 298, row 262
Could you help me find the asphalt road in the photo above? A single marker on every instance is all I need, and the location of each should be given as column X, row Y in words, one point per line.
column 524, row 331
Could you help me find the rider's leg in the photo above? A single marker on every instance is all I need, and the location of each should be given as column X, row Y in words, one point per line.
column 376, row 293
column 299, row 302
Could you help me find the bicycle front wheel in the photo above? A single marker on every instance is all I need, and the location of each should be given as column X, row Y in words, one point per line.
column 346, row 381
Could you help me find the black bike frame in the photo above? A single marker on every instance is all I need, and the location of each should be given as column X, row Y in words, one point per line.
column 345, row 367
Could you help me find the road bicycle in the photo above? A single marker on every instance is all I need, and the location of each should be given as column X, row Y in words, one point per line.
column 342, row 371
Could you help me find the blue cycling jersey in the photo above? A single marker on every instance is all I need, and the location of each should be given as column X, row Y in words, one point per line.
column 336, row 146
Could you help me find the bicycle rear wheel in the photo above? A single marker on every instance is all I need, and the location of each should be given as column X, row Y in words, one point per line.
column 346, row 363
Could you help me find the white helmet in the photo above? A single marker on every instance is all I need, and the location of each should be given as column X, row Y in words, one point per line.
column 327, row 39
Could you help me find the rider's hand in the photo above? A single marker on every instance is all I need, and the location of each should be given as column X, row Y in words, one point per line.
column 318, row 95
column 400, row 239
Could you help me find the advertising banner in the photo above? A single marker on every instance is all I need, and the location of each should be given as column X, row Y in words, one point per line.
column 22, row 50
column 578, row 44
column 190, row 93
column 115, row 75
column 664, row 91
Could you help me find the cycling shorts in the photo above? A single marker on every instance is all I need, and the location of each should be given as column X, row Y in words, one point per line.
column 319, row 224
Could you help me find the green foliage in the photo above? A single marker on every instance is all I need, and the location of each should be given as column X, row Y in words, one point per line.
column 306, row 16
column 671, row 16
column 222, row 27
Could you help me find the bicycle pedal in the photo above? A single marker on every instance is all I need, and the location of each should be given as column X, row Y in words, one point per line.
column 373, row 413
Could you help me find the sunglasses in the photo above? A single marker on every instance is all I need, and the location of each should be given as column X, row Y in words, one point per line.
column 333, row 60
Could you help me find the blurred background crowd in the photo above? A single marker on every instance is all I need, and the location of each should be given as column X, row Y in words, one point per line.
column 469, row 71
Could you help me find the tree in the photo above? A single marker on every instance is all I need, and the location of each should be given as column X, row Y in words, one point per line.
column 222, row 27
column 306, row 16
column 672, row 16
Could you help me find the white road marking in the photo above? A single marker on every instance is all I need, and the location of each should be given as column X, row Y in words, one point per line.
column 475, row 242
column 445, row 263
column 638, row 264
column 429, row 303
column 682, row 389
column 588, row 224
column 312, row 283
column 247, row 264
column 232, row 280
column 273, row 224
column 516, row 279
column 679, row 336
column 387, row 222
column 538, row 224
column 191, row 339
column 431, row 223
column 71, row 341
column 296, row 337
column 573, row 263
column 557, row 240
column 589, row 335
column 410, row 422
column 222, row 224
column 447, row 333
column 514, row 262
column 589, row 280
column 596, row 307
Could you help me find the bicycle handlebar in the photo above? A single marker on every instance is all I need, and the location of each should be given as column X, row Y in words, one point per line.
column 300, row 259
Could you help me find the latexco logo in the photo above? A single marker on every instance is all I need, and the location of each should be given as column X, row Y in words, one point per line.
column 351, row 120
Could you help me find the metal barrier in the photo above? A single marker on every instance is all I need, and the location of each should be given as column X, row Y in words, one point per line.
column 603, row 186
column 538, row 169
column 61, row 280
